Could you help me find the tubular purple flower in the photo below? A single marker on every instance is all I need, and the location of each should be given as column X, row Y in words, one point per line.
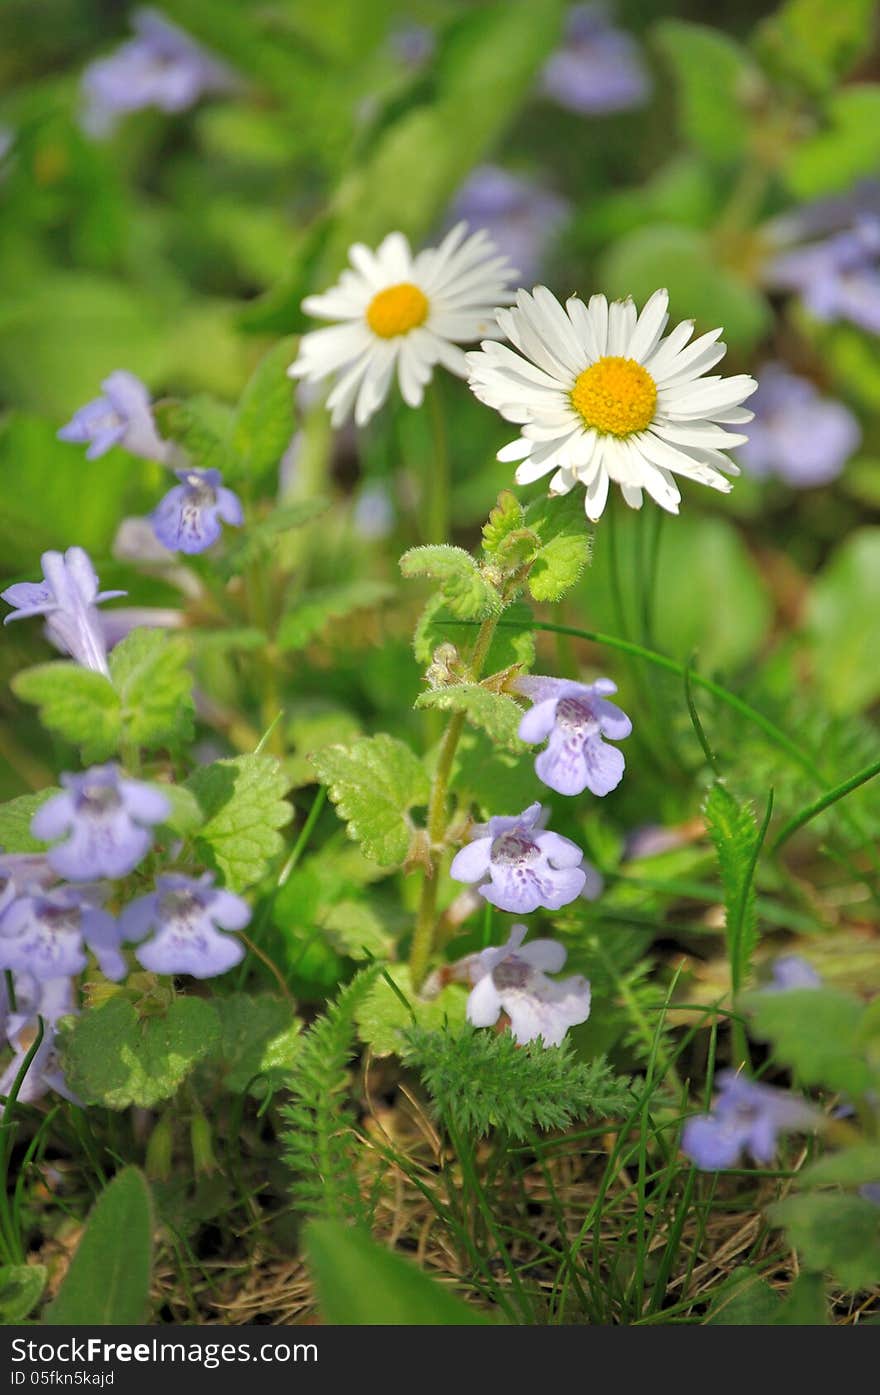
column 45, row 933
column 573, row 718
column 797, row 434
column 791, row 971
column 50, row 1000
column 105, row 821
column 518, row 867
column 598, row 69
column 748, row 1117
column 837, row 277
column 122, row 417
column 188, row 518
column 520, row 216
column 67, row 597
column 512, row 979
column 187, row 917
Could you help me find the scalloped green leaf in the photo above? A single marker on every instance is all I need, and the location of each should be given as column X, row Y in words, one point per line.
column 243, row 805
column 374, row 783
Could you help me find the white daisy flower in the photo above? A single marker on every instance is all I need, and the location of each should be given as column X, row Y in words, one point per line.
column 601, row 396
column 399, row 310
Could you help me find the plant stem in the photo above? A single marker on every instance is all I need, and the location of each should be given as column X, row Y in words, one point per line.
column 426, row 918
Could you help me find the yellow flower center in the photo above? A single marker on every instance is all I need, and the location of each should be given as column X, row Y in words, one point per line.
column 397, row 310
column 615, row 395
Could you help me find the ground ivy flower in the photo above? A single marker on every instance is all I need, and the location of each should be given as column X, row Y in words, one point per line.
column 188, row 518
column 403, row 312
column 602, row 397
column 598, row 68
column 575, row 717
column 105, row 821
column 746, row 1116
column 521, row 217
column 517, row 866
column 122, row 417
column 67, row 596
column 791, row 971
column 513, row 979
column 836, row 277
column 797, row 434
column 55, row 999
column 160, row 67
column 18, row 871
column 46, row 933
column 187, row 917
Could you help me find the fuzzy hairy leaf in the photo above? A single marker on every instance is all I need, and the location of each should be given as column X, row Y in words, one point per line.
column 495, row 713
column 462, row 584
column 479, row 1082
column 242, row 801
column 374, row 783
column 355, row 929
column 150, row 673
column 835, row 1233
column 565, row 545
column 264, row 419
column 817, row 1031
column 734, row 832
column 78, row 704
column 310, row 616
column 512, row 643
column 383, row 1019
column 259, row 1042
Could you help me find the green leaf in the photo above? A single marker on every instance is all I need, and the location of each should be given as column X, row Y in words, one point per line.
column 744, row 1300
column 78, row 704
column 150, row 673
column 714, row 79
column 383, row 1019
column 839, row 633
column 242, row 801
column 851, row 1167
column 495, row 713
column 700, row 288
column 113, row 1058
column 21, row 1288
column 805, row 1305
column 565, row 545
column 262, row 536
column 15, row 822
column 264, row 420
column 311, row 730
column 317, row 609
column 734, row 832
column 847, row 150
column 259, row 1041
column 816, row 42
column 490, row 776
column 374, row 783
column 200, row 424
column 838, row 1234
column 816, row 1031
column 462, row 584
column 505, row 522
column 360, row 1284
column 356, row 930
column 108, row 1282
column 510, row 645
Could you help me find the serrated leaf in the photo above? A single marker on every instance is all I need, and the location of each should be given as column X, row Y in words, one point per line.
column 508, row 516
column 374, row 783
column 15, row 822
column 310, row 731
column 495, row 713
column 465, row 589
column 80, row 705
column 200, row 425
column 837, row 1234
column 21, row 1288
column 565, row 546
column 265, row 417
column 186, row 815
column 382, row 1019
column 242, row 801
column 734, row 832
column 259, row 1040
column 816, row 1032
column 512, row 643
column 108, row 1282
column 150, row 672
column 113, row 1058
column 316, row 610
column 356, row 930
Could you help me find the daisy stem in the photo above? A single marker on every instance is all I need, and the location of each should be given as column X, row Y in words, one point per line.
column 437, row 490
column 426, row 919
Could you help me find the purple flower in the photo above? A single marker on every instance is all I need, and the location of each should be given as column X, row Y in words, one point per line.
column 791, row 971
column 19, row 872
column 598, row 68
column 67, row 596
column 161, row 67
column 838, row 277
column 513, row 979
column 412, row 44
column 122, row 417
column 45, row 933
column 802, row 437
column 105, row 821
column 518, row 867
column 521, row 216
column 745, row 1116
column 871, row 1192
column 50, row 1000
column 575, row 717
column 373, row 513
column 187, row 916
column 188, row 518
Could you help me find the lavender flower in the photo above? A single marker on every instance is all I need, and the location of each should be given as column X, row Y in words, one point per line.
column 18, row 872
column 521, row 216
column 412, row 45
column 513, row 979
column 45, row 933
column 188, row 518
column 187, row 916
column 598, row 68
column 575, row 717
column 871, row 1192
column 838, row 277
column 745, row 1116
column 161, row 67
column 68, row 597
column 373, row 513
column 791, row 971
column 122, row 417
column 802, row 437
column 55, row 1000
column 105, row 821
column 518, row 867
